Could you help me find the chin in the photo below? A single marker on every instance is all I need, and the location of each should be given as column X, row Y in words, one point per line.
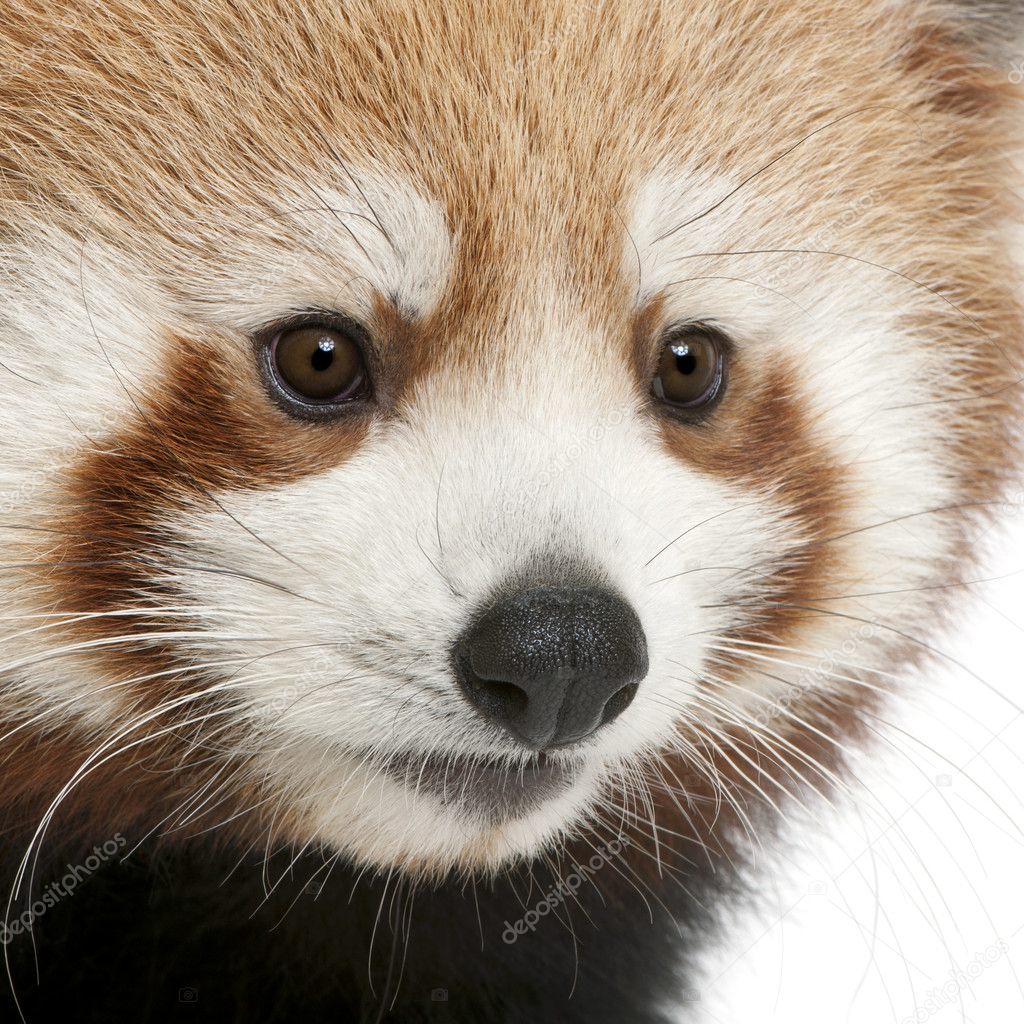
column 430, row 817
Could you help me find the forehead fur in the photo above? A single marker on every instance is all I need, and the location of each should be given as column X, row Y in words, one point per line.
column 529, row 123
column 213, row 142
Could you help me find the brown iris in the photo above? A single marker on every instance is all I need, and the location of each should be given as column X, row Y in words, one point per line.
column 691, row 368
column 319, row 365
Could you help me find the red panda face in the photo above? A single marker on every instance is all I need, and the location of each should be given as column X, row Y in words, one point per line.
column 433, row 432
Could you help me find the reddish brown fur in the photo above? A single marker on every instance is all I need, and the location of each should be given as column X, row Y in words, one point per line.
column 209, row 428
column 520, row 174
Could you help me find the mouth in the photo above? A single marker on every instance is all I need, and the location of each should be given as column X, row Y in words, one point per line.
column 487, row 787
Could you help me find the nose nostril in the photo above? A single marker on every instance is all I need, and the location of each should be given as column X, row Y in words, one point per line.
column 503, row 701
column 506, row 699
column 618, row 702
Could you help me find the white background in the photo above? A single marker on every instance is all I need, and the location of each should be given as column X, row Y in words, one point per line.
column 907, row 903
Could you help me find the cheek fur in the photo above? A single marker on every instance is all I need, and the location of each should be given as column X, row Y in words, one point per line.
column 205, row 428
column 762, row 442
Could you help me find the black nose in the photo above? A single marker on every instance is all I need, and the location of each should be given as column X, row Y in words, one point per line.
column 552, row 665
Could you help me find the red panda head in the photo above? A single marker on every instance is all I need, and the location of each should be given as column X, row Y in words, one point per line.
column 434, row 430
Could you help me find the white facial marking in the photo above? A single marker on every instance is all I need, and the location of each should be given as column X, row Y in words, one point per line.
column 371, row 571
column 329, row 247
column 394, row 553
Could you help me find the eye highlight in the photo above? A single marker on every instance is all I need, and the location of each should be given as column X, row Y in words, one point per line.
column 691, row 368
column 318, row 365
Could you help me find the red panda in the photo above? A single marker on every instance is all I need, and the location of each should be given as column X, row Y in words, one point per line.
column 467, row 467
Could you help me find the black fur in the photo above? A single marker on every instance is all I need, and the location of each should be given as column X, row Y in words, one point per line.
column 190, row 936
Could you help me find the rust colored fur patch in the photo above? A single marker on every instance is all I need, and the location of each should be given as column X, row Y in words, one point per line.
column 165, row 130
column 761, row 436
column 206, row 428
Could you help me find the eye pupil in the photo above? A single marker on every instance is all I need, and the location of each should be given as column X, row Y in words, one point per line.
column 324, row 355
column 686, row 361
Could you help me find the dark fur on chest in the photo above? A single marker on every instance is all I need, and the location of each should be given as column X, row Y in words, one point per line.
column 191, row 935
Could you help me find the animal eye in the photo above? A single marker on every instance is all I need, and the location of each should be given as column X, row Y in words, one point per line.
column 691, row 368
column 318, row 365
